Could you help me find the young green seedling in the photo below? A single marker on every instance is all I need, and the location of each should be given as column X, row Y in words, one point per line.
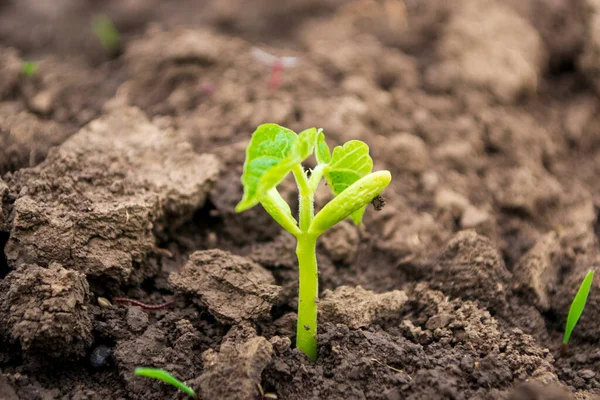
column 107, row 33
column 166, row 377
column 274, row 152
column 577, row 307
column 29, row 68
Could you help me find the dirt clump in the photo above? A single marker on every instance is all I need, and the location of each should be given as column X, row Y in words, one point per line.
column 341, row 242
column 524, row 189
column 486, row 44
column 241, row 358
column 96, row 203
column 590, row 59
column 464, row 344
column 408, row 153
column 472, row 268
column 233, row 288
column 357, row 307
column 535, row 391
column 25, row 139
column 183, row 61
column 45, row 310
column 68, row 92
column 538, row 270
column 10, row 71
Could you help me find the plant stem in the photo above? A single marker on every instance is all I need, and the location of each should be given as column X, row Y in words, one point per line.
column 308, row 293
column 307, row 210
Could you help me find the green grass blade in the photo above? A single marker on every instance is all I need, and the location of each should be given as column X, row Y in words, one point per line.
column 577, row 305
column 165, row 377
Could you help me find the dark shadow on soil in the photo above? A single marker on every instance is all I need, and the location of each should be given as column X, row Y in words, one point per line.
column 4, row 270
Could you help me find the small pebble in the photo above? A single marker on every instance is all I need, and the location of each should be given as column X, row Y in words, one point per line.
column 137, row 319
column 103, row 302
column 100, row 356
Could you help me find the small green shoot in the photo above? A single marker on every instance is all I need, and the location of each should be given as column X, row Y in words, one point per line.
column 29, row 68
column 165, row 377
column 577, row 306
column 107, row 33
column 272, row 154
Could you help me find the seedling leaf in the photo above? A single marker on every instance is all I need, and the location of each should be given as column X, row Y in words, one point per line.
column 29, row 68
column 577, row 305
column 270, row 156
column 165, row 377
column 348, row 164
column 306, row 142
column 322, row 152
column 353, row 198
column 107, row 33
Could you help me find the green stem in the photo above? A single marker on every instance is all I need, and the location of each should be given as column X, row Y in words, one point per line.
column 307, row 211
column 308, row 294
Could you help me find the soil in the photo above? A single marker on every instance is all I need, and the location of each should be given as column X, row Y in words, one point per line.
column 119, row 175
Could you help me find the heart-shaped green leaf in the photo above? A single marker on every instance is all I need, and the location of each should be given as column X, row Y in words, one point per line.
column 270, row 156
column 348, row 164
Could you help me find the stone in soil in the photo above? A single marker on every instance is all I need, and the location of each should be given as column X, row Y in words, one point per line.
column 45, row 311
column 97, row 203
column 233, row 288
column 235, row 370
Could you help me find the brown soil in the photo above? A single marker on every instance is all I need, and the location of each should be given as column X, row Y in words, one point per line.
column 119, row 174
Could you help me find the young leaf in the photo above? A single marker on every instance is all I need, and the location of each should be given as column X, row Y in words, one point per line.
column 353, row 198
column 107, row 33
column 322, row 152
column 270, row 156
column 348, row 164
column 306, row 142
column 165, row 377
column 29, row 68
column 277, row 208
column 577, row 305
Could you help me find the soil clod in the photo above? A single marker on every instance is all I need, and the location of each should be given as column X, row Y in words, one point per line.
column 233, row 288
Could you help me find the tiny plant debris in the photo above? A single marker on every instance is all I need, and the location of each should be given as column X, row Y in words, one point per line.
column 166, row 377
column 274, row 152
column 577, row 307
column 107, row 33
column 262, row 395
column 277, row 64
column 29, row 68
